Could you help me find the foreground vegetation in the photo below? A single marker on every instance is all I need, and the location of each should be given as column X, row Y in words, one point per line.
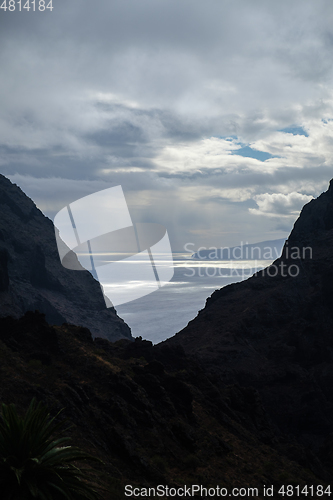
column 36, row 461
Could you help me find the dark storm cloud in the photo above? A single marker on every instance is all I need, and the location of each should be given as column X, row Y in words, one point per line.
column 122, row 140
column 131, row 91
column 283, row 176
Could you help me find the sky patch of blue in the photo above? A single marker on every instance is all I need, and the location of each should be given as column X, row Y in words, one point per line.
column 253, row 153
column 228, row 137
column 295, row 131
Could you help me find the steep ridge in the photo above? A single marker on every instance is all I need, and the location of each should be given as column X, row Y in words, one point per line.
column 149, row 412
column 274, row 332
column 32, row 277
column 154, row 414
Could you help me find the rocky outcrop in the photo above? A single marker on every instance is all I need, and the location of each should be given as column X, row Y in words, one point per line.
column 274, row 332
column 32, row 277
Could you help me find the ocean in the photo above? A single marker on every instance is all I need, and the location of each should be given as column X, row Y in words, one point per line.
column 162, row 313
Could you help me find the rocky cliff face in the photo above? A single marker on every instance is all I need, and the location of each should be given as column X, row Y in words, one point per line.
column 274, row 332
column 32, row 277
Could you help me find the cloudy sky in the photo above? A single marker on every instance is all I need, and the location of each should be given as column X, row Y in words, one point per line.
column 215, row 116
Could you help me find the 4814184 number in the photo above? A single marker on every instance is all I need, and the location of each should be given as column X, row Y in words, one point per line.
column 27, row 5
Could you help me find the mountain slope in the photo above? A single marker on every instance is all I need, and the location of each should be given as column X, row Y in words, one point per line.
column 32, row 277
column 149, row 412
column 274, row 331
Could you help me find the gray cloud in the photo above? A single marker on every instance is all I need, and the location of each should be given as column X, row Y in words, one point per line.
column 131, row 92
column 280, row 204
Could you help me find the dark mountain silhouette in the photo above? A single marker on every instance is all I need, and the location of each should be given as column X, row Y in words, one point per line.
column 274, row 332
column 242, row 397
column 151, row 413
column 32, row 277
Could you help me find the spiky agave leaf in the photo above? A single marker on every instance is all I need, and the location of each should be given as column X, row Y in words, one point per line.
column 34, row 465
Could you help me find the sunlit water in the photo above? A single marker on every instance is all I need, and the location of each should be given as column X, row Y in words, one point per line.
column 163, row 313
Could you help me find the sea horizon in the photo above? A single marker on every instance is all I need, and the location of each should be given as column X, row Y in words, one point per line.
column 166, row 311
